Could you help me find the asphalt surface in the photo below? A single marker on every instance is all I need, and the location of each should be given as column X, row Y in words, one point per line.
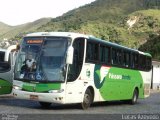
column 16, row 109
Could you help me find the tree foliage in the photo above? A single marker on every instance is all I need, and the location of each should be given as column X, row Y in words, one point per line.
column 107, row 19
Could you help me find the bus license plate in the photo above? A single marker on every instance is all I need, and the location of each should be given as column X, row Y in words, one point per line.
column 34, row 97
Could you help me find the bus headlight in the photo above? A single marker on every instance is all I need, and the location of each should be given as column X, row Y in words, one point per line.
column 56, row 91
column 17, row 87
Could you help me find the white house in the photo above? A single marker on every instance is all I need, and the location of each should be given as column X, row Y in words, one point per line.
column 155, row 84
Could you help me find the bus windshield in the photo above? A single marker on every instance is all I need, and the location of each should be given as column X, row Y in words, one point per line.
column 42, row 59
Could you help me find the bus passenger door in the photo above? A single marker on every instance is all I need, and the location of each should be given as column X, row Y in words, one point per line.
column 74, row 86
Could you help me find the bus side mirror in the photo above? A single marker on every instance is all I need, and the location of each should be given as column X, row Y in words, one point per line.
column 70, row 51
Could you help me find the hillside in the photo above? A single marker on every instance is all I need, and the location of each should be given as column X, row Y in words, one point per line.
column 152, row 46
column 107, row 19
column 4, row 28
column 11, row 32
column 108, row 11
column 128, row 22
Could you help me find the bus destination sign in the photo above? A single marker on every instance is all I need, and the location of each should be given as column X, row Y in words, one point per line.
column 34, row 41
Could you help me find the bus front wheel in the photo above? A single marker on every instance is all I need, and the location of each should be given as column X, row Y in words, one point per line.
column 134, row 97
column 87, row 100
column 45, row 104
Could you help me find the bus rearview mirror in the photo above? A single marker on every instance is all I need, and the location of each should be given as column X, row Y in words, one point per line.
column 70, row 51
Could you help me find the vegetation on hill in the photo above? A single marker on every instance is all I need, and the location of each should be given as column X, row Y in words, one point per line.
column 152, row 46
column 109, row 20
column 4, row 28
column 16, row 32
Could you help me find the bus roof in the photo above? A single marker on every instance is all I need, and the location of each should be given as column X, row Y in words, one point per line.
column 3, row 50
column 75, row 35
column 64, row 34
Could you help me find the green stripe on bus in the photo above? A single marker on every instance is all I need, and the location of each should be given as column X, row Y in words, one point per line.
column 41, row 87
column 5, row 87
column 119, row 83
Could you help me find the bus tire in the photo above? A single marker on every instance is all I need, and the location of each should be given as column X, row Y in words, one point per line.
column 134, row 97
column 45, row 104
column 87, row 100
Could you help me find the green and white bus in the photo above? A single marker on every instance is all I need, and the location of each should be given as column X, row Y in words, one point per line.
column 7, row 60
column 68, row 68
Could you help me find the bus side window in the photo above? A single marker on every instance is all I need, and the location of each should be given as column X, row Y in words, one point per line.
column 134, row 61
column 142, row 62
column 114, row 57
column 107, row 55
column 92, row 52
column 4, row 66
column 2, row 56
column 102, row 54
column 148, row 63
column 96, row 52
column 89, row 52
column 119, row 57
column 126, row 59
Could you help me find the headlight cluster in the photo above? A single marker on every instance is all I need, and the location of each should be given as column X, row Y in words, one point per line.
column 17, row 87
column 56, row 91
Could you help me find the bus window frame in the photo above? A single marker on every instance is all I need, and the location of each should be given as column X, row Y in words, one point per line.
column 107, row 54
column 6, row 64
column 148, row 60
column 132, row 61
column 88, row 53
column 98, row 60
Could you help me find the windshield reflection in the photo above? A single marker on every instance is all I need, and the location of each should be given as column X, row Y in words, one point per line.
column 42, row 62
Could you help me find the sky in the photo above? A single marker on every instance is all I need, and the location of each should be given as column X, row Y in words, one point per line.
column 16, row 12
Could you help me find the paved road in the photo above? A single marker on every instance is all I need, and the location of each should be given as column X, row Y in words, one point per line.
column 10, row 107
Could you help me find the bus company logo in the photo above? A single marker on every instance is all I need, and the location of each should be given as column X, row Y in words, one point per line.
column 104, row 70
column 88, row 73
column 100, row 74
column 120, row 77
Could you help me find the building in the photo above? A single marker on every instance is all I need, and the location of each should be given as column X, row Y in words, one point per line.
column 155, row 84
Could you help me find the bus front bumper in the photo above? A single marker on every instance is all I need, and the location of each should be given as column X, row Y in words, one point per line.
column 43, row 97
